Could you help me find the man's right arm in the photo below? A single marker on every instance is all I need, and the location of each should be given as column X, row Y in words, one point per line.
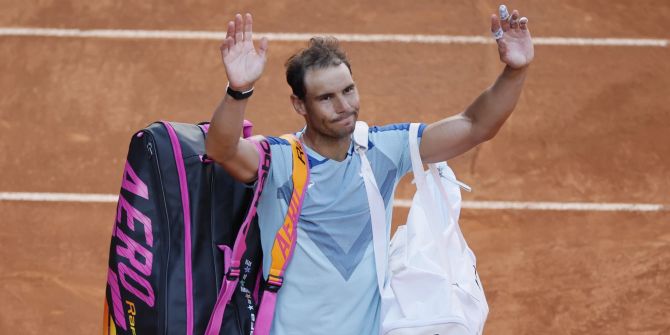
column 244, row 65
column 236, row 155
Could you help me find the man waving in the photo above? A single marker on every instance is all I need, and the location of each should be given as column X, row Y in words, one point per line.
column 330, row 284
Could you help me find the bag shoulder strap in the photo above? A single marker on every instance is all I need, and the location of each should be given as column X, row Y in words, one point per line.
column 375, row 202
column 285, row 239
column 231, row 277
column 442, row 199
column 360, row 135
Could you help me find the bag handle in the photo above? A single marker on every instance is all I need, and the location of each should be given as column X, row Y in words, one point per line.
column 425, row 196
column 376, row 204
column 285, row 239
column 453, row 223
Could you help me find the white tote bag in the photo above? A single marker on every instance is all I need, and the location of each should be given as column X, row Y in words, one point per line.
column 432, row 286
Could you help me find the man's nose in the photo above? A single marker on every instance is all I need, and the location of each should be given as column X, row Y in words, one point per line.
column 343, row 105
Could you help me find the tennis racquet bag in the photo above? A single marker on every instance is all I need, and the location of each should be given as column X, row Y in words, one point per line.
column 177, row 220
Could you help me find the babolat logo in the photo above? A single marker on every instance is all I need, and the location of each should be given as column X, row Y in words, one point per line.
column 265, row 166
column 300, row 153
column 131, row 315
column 133, row 278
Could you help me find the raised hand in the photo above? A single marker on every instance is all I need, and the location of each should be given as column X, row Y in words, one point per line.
column 244, row 65
column 513, row 37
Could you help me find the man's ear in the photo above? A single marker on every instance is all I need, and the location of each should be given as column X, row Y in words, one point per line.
column 298, row 105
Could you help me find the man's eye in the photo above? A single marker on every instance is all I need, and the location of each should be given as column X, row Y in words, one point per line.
column 349, row 89
column 325, row 98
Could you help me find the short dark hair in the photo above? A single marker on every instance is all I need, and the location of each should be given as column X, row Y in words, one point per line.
column 321, row 52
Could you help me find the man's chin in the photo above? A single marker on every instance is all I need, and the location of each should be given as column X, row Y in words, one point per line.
column 343, row 128
column 348, row 122
column 343, row 131
column 349, row 127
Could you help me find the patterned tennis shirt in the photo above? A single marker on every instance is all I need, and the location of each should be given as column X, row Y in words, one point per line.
column 330, row 284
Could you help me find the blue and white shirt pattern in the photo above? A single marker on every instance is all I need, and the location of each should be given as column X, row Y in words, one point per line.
column 330, row 284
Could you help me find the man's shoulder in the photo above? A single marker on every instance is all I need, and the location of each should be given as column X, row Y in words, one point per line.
column 280, row 149
column 273, row 140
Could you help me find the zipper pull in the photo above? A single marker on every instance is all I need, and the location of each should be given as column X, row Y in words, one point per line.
column 150, row 148
column 460, row 184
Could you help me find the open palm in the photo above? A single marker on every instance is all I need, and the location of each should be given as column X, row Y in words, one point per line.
column 515, row 46
column 244, row 65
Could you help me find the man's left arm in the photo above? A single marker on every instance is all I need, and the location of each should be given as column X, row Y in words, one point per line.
column 479, row 122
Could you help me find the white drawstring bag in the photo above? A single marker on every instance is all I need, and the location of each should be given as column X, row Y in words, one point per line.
column 432, row 286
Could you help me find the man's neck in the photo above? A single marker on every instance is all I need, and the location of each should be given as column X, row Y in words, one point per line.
column 331, row 148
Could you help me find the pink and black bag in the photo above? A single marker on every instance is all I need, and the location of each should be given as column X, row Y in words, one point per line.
column 185, row 238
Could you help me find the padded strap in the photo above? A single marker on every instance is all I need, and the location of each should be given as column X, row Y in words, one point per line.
column 423, row 190
column 232, row 274
column 285, row 239
column 360, row 135
column 247, row 128
column 453, row 222
column 183, row 186
column 375, row 202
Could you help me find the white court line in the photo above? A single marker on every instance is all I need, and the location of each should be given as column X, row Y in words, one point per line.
column 290, row 37
column 552, row 206
column 58, row 197
column 402, row 203
column 441, row 39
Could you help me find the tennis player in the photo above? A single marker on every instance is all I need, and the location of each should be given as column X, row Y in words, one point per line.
column 330, row 284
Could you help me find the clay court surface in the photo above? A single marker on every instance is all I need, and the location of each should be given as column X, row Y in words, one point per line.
column 593, row 125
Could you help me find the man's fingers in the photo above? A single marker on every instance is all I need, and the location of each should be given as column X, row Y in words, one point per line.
column 514, row 20
column 229, row 41
column 263, row 47
column 504, row 17
column 523, row 23
column 247, row 27
column 224, row 48
column 496, row 30
column 226, row 45
column 239, row 29
column 230, row 32
column 495, row 23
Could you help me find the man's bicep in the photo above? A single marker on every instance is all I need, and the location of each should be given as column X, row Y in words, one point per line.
column 243, row 165
column 447, row 138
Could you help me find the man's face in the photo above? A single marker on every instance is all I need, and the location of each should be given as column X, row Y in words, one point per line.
column 331, row 101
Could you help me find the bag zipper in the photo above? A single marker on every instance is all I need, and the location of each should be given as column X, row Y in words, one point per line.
column 153, row 155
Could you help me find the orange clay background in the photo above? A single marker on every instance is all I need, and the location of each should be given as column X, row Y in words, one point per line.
column 592, row 125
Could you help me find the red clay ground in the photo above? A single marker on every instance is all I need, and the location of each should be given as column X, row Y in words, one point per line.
column 591, row 126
